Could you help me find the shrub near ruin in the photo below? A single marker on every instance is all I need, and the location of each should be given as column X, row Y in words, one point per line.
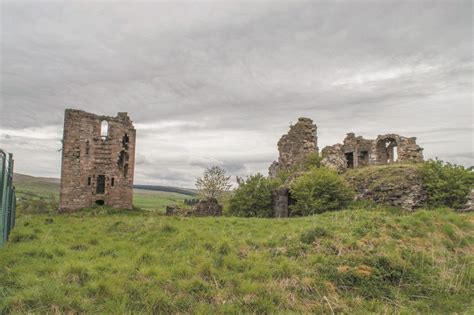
column 253, row 197
column 319, row 190
column 446, row 184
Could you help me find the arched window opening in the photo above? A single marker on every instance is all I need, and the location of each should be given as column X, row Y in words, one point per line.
column 104, row 129
column 387, row 151
column 112, row 182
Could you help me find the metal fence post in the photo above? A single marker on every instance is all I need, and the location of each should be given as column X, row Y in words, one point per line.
column 3, row 159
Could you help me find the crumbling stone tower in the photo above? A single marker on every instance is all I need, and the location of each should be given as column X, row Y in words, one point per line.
column 294, row 147
column 98, row 160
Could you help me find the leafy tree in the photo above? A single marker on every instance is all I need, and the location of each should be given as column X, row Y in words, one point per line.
column 446, row 184
column 213, row 183
column 319, row 190
column 253, row 197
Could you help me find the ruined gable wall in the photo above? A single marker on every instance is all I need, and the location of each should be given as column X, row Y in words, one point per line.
column 86, row 155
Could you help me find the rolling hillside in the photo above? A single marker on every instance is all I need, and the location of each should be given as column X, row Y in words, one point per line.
column 376, row 261
column 368, row 259
column 147, row 197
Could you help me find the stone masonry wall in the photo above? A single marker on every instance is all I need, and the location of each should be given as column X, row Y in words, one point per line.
column 399, row 186
column 293, row 147
column 97, row 169
column 357, row 152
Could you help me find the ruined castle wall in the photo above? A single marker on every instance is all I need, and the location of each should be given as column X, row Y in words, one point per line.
column 358, row 152
column 295, row 146
column 333, row 157
column 97, row 169
column 407, row 149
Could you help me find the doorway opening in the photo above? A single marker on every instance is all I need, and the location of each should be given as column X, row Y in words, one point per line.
column 349, row 160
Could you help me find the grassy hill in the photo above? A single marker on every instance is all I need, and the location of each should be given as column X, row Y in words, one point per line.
column 366, row 259
column 35, row 187
column 353, row 261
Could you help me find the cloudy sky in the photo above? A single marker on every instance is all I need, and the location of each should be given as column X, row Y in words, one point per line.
column 218, row 82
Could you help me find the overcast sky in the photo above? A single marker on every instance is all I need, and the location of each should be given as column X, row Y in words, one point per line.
column 219, row 82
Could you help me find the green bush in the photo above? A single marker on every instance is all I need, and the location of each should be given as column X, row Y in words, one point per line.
column 446, row 184
column 253, row 197
column 319, row 190
column 310, row 161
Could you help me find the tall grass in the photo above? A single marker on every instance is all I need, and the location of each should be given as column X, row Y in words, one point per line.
column 353, row 261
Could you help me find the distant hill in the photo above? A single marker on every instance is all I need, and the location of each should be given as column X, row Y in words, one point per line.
column 22, row 178
column 31, row 186
column 48, row 185
column 183, row 191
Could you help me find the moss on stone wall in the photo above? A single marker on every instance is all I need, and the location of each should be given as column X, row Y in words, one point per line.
column 399, row 185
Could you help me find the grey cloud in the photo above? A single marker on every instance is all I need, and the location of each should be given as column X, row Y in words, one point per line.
column 220, row 82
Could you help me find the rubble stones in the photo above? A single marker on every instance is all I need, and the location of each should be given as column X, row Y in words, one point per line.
column 208, row 207
column 172, row 210
column 98, row 159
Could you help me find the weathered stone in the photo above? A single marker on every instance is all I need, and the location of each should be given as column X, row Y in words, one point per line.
column 333, row 157
column 295, row 146
column 98, row 159
column 358, row 152
column 400, row 186
column 172, row 210
column 280, row 202
column 208, row 207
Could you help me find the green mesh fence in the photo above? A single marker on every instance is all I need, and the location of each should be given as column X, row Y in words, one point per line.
column 7, row 196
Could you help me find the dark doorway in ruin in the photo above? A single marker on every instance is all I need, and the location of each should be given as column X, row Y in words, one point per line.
column 99, row 202
column 100, row 184
column 349, row 160
column 387, row 151
column 364, row 158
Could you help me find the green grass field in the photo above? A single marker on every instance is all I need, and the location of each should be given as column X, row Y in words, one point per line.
column 156, row 200
column 362, row 260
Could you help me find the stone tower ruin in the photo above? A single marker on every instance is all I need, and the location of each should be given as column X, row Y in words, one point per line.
column 98, row 159
column 294, row 147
